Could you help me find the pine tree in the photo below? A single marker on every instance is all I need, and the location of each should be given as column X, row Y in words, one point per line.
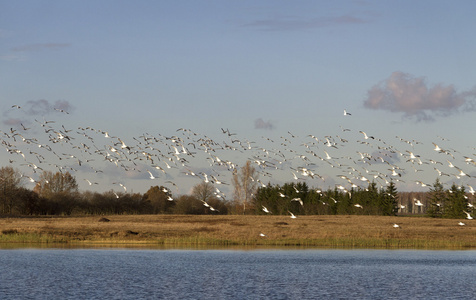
column 437, row 200
column 456, row 202
column 390, row 200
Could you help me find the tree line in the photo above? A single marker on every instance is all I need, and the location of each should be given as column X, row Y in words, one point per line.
column 298, row 198
column 58, row 194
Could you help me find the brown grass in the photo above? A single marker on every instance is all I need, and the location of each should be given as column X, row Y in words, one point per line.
column 183, row 230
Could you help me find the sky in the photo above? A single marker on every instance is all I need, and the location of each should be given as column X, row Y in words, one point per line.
column 268, row 78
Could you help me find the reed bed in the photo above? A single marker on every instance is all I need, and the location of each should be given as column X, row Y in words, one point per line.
column 238, row 230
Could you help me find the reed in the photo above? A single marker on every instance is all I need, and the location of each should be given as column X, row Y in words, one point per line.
column 236, row 230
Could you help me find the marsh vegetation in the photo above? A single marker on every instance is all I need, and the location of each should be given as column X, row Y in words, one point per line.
column 236, row 230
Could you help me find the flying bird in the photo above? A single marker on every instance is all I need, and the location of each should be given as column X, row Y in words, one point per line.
column 266, row 210
column 468, row 215
column 298, row 200
column 151, row 175
column 366, row 136
column 417, row 202
column 62, row 110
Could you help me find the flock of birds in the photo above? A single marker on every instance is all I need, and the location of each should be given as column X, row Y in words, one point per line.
column 347, row 160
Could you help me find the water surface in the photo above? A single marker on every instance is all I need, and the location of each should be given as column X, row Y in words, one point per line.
column 223, row 274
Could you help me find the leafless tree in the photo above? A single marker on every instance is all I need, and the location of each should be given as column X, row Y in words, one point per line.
column 60, row 191
column 10, row 182
column 53, row 183
column 203, row 191
column 245, row 184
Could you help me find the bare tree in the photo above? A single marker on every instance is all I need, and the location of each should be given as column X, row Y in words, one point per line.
column 60, row 190
column 52, row 183
column 203, row 191
column 245, row 184
column 10, row 182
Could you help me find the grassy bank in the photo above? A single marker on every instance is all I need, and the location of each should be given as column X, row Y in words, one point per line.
column 189, row 230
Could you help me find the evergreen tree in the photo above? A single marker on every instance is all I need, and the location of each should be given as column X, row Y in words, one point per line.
column 390, row 200
column 159, row 199
column 344, row 205
column 373, row 201
column 437, row 200
column 267, row 197
column 456, row 202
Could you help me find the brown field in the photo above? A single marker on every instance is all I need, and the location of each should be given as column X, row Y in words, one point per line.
column 236, row 230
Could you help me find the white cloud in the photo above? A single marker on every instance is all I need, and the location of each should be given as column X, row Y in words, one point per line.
column 412, row 96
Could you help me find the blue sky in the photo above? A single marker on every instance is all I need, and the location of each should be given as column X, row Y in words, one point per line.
column 258, row 68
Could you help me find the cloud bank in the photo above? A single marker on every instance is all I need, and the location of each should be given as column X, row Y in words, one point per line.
column 17, row 116
column 403, row 93
column 43, row 107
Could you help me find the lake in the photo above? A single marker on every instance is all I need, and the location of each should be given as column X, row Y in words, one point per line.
column 236, row 274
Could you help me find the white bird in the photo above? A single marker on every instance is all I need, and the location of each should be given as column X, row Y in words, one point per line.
column 437, row 148
column 461, row 224
column 468, row 216
column 294, row 176
column 295, row 188
column 395, row 225
column 461, row 173
column 358, row 205
column 412, row 156
column 151, row 175
column 262, row 235
column 298, row 200
column 265, row 209
column 395, row 173
column 366, row 136
column 363, row 178
column 346, row 113
column 90, row 183
column 123, row 186
column 292, row 215
column 417, row 202
column 471, row 190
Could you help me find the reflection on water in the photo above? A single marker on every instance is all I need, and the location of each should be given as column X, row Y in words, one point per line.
column 224, row 274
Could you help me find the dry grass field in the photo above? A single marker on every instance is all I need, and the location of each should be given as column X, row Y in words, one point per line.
column 236, row 230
